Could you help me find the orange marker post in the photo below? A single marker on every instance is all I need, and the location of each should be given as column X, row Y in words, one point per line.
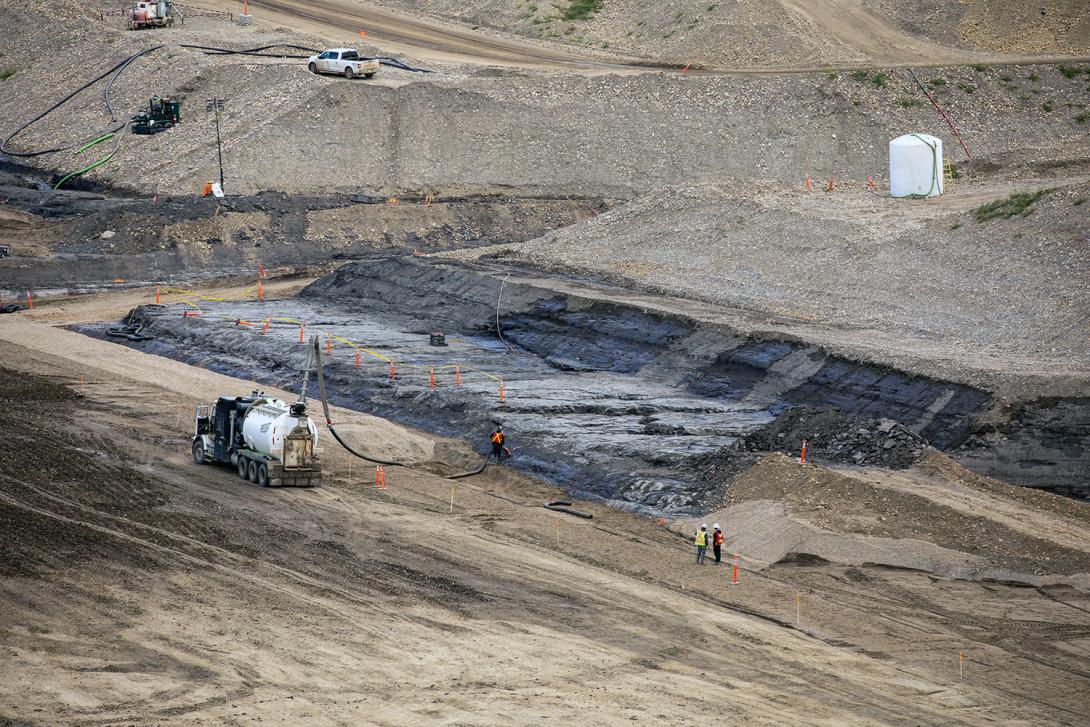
column 29, row 301
column 357, row 359
column 260, row 297
column 685, row 68
column 830, row 184
column 808, row 184
column 328, row 344
column 802, row 454
column 870, row 183
column 301, row 327
column 734, row 570
column 266, row 326
column 431, row 379
column 501, row 392
column 392, row 376
column 261, row 270
column 156, row 295
column 363, row 34
column 457, row 375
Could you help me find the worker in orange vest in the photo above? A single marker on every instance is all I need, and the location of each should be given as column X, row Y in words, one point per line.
column 717, row 542
column 497, row 443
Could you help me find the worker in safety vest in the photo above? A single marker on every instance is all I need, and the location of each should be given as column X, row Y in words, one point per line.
column 700, row 540
column 717, row 542
column 497, row 443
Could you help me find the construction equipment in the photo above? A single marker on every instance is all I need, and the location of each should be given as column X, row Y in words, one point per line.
column 162, row 114
column 269, row 441
column 152, row 14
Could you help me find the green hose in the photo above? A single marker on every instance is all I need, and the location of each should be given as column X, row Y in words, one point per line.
column 89, row 167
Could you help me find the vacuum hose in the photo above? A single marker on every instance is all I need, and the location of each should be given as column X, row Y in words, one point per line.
column 314, row 359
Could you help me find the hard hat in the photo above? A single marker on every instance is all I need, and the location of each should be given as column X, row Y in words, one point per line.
column 716, row 526
column 703, row 526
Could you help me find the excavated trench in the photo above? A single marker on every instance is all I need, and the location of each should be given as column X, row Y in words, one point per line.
column 612, row 402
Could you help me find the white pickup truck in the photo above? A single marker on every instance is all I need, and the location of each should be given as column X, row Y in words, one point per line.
column 344, row 61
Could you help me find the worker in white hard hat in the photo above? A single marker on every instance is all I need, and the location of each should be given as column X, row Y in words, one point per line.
column 700, row 540
column 717, row 543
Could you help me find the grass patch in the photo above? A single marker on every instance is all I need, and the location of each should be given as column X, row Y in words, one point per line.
column 1071, row 71
column 860, row 76
column 955, row 225
column 909, row 103
column 938, row 82
column 979, row 67
column 832, row 76
column 966, row 87
column 711, row 7
column 1019, row 204
column 1033, row 77
column 1046, row 107
column 1081, row 119
column 8, row 72
column 1079, row 202
column 880, row 79
column 581, row 9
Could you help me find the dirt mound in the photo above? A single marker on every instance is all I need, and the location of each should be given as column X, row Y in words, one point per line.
column 832, row 436
column 998, row 524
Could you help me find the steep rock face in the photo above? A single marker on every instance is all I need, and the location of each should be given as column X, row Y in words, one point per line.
column 1044, row 443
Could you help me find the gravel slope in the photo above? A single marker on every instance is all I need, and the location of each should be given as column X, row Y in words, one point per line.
column 854, row 260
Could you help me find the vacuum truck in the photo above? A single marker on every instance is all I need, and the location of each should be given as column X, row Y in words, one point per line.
column 269, row 441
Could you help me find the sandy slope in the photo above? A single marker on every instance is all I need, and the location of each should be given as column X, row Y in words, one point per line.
column 149, row 588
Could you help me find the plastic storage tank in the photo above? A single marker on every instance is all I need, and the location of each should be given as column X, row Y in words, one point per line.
column 915, row 166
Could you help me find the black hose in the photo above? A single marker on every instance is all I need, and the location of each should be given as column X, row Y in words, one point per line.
column 477, row 471
column 569, row 510
column 376, row 460
column 110, row 83
column 4, row 144
column 214, row 51
column 315, row 356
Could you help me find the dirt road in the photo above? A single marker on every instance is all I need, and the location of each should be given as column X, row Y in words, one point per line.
column 873, row 38
column 140, row 587
column 424, row 37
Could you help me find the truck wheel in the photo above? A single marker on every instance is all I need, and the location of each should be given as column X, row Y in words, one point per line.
column 313, row 67
column 243, row 464
column 251, row 472
column 198, row 452
column 349, row 74
column 263, row 474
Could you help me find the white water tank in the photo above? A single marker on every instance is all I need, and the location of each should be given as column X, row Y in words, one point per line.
column 266, row 424
column 915, row 166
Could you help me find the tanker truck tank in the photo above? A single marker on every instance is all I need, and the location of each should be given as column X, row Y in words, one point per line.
column 269, row 423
